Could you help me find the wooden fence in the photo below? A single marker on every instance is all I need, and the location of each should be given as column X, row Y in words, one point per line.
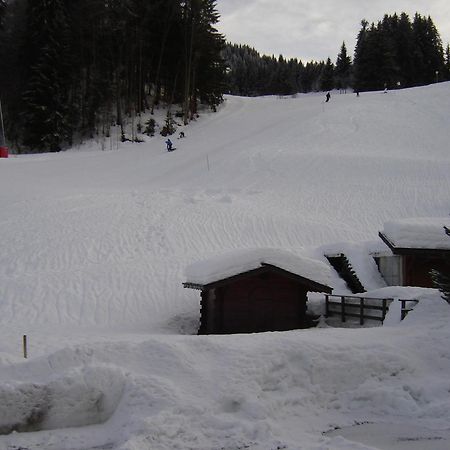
column 405, row 308
column 356, row 306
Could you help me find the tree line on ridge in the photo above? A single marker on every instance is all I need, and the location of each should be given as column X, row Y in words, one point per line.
column 72, row 69
column 394, row 52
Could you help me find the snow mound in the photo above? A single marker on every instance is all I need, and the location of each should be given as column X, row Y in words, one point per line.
column 84, row 396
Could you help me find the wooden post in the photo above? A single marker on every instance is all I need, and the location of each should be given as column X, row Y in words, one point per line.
column 25, row 350
column 327, row 306
column 361, row 311
column 343, row 309
column 403, row 313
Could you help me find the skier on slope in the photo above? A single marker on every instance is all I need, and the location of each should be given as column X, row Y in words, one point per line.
column 169, row 145
column 328, row 96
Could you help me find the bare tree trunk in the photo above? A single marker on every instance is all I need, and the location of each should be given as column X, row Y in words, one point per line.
column 160, row 59
column 189, row 45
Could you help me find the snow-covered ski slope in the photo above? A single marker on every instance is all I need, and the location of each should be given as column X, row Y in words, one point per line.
column 102, row 237
column 93, row 247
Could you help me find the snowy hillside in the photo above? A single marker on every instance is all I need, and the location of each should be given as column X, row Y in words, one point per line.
column 95, row 242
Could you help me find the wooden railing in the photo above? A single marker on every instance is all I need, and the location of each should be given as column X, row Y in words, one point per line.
column 356, row 306
column 405, row 309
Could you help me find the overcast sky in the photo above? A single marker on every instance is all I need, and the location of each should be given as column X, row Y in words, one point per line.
column 315, row 29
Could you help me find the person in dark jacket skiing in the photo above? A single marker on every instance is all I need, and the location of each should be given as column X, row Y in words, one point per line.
column 169, row 145
column 328, row 96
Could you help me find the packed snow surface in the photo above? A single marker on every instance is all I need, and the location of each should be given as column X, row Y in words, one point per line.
column 239, row 261
column 422, row 232
column 95, row 242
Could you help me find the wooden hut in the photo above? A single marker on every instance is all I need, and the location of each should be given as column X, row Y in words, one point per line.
column 418, row 245
column 257, row 290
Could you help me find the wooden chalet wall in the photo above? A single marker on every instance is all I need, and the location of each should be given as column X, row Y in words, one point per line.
column 417, row 263
column 417, row 267
column 254, row 302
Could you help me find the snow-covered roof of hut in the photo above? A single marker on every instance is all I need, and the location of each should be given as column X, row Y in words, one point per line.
column 240, row 261
column 418, row 233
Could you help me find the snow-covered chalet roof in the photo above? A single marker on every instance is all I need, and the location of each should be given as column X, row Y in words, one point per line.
column 418, row 233
column 236, row 262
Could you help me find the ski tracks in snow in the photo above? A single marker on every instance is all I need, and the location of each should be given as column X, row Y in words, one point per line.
column 281, row 173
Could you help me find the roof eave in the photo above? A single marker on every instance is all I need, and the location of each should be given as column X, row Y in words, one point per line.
column 385, row 239
column 313, row 286
column 412, row 250
column 196, row 286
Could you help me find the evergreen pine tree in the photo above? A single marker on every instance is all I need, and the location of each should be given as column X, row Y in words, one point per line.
column 2, row 12
column 442, row 282
column 404, row 49
column 361, row 62
column 447, row 63
column 282, row 77
column 169, row 125
column 441, row 279
column 204, row 68
column 293, row 73
column 388, row 72
column 210, row 66
column 47, row 117
column 327, row 76
column 343, row 68
column 428, row 51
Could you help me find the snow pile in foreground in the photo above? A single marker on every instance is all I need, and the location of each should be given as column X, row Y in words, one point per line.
column 266, row 391
column 84, row 396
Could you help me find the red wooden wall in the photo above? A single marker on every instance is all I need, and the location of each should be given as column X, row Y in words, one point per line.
column 261, row 302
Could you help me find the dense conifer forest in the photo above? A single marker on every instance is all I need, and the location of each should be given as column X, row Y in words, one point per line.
column 395, row 52
column 398, row 51
column 72, row 69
